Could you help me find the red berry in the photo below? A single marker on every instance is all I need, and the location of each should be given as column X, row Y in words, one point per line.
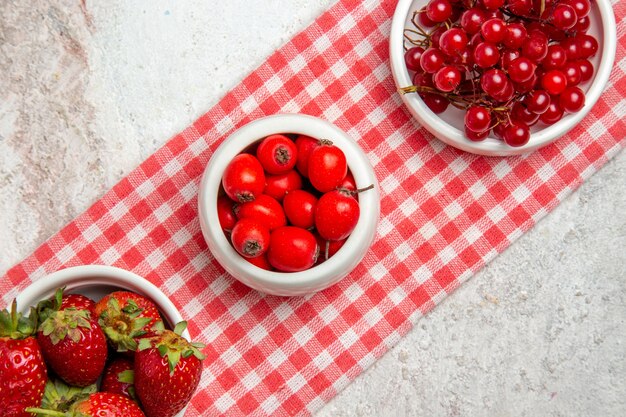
column 300, row 208
column 516, row 134
column 293, row 249
column 327, row 167
column 472, row 19
column 243, row 178
column 452, row 41
column 476, row 136
column 586, row 70
column 563, row 16
column 520, row 113
column 477, row 119
column 276, row 186
column 582, row 7
column 486, row 55
column 572, row 73
column 535, row 47
column 412, row 58
column 515, row 35
column 225, row 213
column 277, row 154
column 537, row 101
column 261, row 262
column 305, row 146
column 493, row 30
column 436, row 103
column 336, row 215
column 432, row 59
column 555, row 58
column 553, row 114
column 554, row 82
column 438, row 10
column 447, row 78
column 587, row 46
column 521, row 69
column 250, row 238
column 264, row 209
column 572, row 99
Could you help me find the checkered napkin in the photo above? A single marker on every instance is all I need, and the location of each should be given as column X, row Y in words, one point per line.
column 445, row 214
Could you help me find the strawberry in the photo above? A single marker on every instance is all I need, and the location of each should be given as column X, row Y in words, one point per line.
column 119, row 378
column 99, row 404
column 167, row 372
column 77, row 301
column 126, row 317
column 23, row 373
column 73, row 346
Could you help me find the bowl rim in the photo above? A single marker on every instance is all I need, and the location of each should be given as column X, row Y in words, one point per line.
column 323, row 274
column 77, row 277
column 493, row 146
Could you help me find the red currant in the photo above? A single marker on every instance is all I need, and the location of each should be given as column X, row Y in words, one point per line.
column 472, row 19
column 452, row 41
column 447, row 78
column 493, row 30
column 412, row 58
column 477, row 119
column 438, row 10
column 554, row 82
column 432, row 59
column 486, row 55
column 516, row 134
column 572, row 99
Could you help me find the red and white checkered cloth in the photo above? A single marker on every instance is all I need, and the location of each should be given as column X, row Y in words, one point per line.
column 445, row 214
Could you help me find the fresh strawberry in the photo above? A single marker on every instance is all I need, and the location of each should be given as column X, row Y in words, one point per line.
column 119, row 378
column 126, row 317
column 59, row 396
column 23, row 373
column 73, row 346
column 167, row 372
column 99, row 404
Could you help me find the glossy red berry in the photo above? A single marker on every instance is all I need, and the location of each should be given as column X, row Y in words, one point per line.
column 277, row 154
column 244, row 178
column 250, row 238
column 293, row 249
column 327, row 167
column 299, row 208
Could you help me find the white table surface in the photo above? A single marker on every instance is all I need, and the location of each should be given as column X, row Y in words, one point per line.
column 90, row 89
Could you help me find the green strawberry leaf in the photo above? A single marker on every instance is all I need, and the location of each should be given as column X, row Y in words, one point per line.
column 180, row 327
column 127, row 376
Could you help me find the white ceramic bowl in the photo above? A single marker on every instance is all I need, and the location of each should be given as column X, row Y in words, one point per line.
column 322, row 275
column 448, row 125
column 95, row 281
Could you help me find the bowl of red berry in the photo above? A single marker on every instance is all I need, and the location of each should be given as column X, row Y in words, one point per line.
column 289, row 204
column 98, row 340
column 501, row 77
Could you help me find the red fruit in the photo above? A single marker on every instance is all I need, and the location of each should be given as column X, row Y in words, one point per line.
column 73, row 346
column 472, row 19
column 438, row 10
column 452, row 41
column 572, row 99
column 293, row 249
column 447, row 78
column 327, row 166
column 477, row 119
column 23, row 373
column 243, row 178
column 250, row 238
column 516, row 134
column 167, row 372
column 554, row 82
column 300, row 208
column 412, row 58
column 263, row 209
column 336, row 215
column 277, row 186
column 118, row 378
column 493, row 30
column 476, row 136
column 277, row 154
column 348, row 182
column 98, row 404
column 126, row 317
column 305, row 146
column 261, row 261
column 225, row 213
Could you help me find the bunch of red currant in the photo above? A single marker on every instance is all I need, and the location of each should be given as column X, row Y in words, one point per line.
column 289, row 202
column 508, row 63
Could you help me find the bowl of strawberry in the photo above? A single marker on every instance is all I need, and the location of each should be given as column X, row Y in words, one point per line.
column 501, row 77
column 92, row 341
column 289, row 204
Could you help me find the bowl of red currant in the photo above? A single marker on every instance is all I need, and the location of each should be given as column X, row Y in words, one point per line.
column 501, row 77
column 289, row 204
